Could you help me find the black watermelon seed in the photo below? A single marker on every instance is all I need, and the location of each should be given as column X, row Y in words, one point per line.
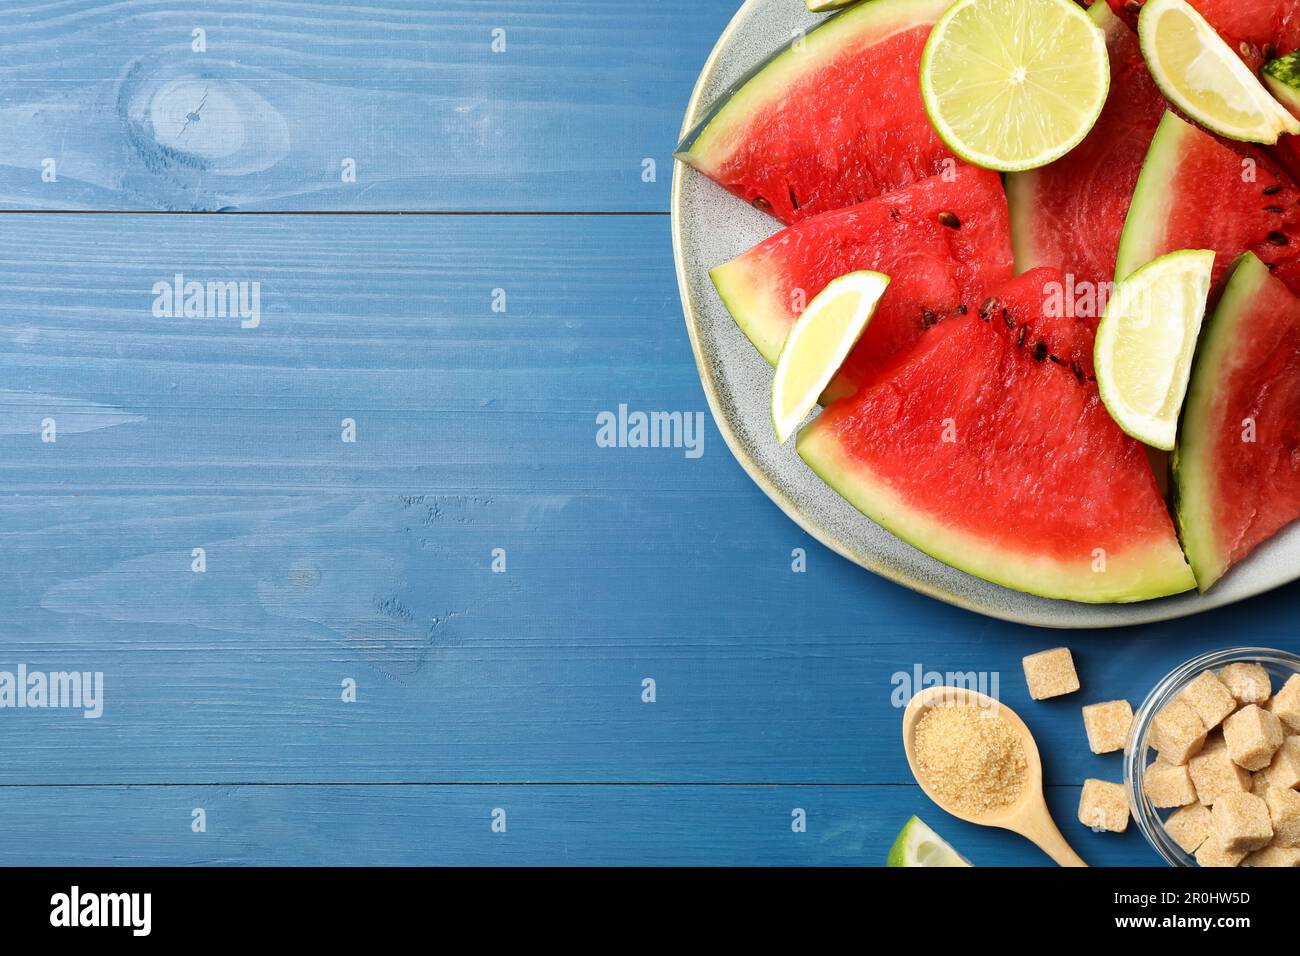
column 1278, row 238
column 1273, row 190
column 950, row 220
column 1274, row 209
column 760, row 203
column 1006, row 317
column 1055, row 359
column 928, row 318
column 988, row 307
column 1020, row 339
column 961, row 309
column 794, row 201
column 1040, row 350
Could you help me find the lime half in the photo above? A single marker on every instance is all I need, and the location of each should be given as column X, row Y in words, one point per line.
column 1146, row 341
column 818, row 344
column 1203, row 77
column 1014, row 84
column 918, row 845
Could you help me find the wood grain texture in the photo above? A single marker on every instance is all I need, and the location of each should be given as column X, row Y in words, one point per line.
column 545, row 826
column 134, row 117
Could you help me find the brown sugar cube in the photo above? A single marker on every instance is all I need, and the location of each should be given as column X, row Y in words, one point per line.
column 1168, row 785
column 1213, row 773
column 1107, row 725
column 1103, row 806
column 1253, row 736
column 1210, row 698
column 1212, row 853
column 1050, row 673
column 1286, row 703
column 1189, row 826
column 1249, row 683
column 1241, row 823
column 1259, row 782
column 1273, row 855
column 1284, row 771
column 1284, row 814
column 1177, row 733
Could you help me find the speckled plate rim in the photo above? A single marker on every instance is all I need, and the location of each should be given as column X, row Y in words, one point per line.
column 1056, row 614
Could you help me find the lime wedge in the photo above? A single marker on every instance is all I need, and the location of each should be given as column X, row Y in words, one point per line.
column 918, row 845
column 819, row 342
column 1146, row 341
column 1283, row 79
column 817, row 6
column 1014, row 84
column 1200, row 74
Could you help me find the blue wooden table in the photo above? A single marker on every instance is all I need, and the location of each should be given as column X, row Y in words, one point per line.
column 361, row 582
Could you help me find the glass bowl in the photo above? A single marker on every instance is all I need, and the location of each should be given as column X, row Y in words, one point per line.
column 1138, row 752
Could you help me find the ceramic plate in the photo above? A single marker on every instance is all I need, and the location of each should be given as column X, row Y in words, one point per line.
column 710, row 227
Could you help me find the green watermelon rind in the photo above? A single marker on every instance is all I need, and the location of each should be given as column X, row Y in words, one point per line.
column 1154, row 197
column 749, row 300
column 1134, row 575
column 704, row 146
column 1193, row 478
column 1283, row 79
column 1023, row 187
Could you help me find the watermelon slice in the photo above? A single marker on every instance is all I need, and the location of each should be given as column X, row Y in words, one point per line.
column 1070, row 214
column 1197, row 192
column 989, row 450
column 834, row 120
column 940, row 240
column 1237, row 465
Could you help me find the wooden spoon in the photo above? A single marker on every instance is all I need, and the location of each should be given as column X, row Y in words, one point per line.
column 1028, row 815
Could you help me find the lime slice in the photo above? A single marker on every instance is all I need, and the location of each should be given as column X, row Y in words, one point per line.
column 818, row 344
column 818, row 6
column 1014, row 84
column 1283, row 79
column 918, row 845
column 1200, row 74
column 1146, row 341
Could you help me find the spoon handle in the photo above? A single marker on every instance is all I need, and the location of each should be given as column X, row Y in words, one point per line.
column 1041, row 829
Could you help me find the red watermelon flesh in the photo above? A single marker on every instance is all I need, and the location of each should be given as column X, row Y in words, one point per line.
column 1070, row 214
column 1199, row 192
column 831, row 124
column 941, row 241
column 1237, row 464
column 988, row 449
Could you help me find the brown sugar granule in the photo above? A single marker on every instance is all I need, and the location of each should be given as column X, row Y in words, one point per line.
column 970, row 758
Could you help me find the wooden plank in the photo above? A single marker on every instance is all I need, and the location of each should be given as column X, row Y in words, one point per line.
column 432, row 825
column 372, row 561
column 285, row 95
